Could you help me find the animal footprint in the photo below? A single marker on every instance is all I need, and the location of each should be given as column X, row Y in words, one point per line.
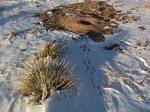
column 87, row 67
column 85, row 48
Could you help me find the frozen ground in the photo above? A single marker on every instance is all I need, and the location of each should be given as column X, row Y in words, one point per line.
column 109, row 81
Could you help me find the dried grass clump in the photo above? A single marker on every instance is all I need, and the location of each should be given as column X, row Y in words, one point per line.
column 40, row 76
column 53, row 49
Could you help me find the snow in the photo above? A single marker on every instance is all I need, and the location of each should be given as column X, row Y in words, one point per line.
column 98, row 90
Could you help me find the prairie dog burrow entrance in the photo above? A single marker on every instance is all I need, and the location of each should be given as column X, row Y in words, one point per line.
column 93, row 18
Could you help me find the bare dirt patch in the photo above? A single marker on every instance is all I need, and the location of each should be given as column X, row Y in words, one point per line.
column 95, row 19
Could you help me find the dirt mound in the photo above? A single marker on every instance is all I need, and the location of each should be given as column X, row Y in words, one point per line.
column 91, row 18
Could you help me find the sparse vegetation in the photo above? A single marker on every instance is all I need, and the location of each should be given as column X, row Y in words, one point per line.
column 114, row 75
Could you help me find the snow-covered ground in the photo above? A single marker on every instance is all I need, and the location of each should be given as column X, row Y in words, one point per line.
column 109, row 81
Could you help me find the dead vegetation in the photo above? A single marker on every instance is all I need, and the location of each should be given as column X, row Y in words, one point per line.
column 141, row 46
column 45, row 73
column 114, row 75
column 94, row 18
column 126, row 17
column 53, row 49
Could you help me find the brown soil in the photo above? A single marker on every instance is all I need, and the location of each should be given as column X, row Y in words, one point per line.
column 91, row 18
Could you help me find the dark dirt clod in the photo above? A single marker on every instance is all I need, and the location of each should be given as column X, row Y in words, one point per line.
column 142, row 28
column 114, row 46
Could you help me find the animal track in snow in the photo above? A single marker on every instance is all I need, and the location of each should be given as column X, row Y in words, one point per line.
column 88, row 64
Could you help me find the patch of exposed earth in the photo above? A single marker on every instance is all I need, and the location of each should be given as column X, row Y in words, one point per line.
column 95, row 19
